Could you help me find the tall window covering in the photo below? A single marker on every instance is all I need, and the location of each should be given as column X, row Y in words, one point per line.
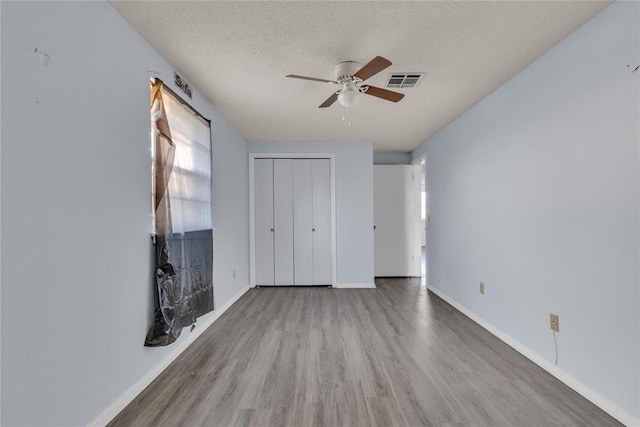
column 181, row 145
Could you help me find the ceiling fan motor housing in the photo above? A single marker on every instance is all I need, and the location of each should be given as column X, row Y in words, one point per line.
column 345, row 70
column 349, row 95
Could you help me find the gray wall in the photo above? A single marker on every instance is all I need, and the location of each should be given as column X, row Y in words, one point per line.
column 391, row 158
column 76, row 210
column 354, row 202
column 535, row 191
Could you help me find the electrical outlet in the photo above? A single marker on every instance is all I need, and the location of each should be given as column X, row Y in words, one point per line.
column 555, row 322
column 482, row 288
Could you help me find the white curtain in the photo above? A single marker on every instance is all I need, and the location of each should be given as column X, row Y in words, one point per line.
column 190, row 182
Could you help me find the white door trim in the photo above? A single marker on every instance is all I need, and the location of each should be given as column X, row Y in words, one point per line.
column 252, row 212
column 418, row 159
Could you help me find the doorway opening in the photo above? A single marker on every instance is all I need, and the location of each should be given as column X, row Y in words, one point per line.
column 420, row 230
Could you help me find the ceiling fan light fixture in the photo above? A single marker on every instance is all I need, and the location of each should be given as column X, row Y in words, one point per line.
column 349, row 97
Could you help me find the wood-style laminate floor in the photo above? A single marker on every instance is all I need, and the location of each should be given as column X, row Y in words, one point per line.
column 392, row 356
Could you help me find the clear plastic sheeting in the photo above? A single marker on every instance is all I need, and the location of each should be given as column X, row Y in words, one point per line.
column 182, row 216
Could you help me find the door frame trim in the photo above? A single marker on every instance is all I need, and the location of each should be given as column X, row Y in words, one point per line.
column 252, row 212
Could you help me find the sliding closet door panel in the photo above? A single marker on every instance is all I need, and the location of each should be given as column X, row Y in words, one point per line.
column 283, row 220
column 302, row 222
column 264, row 251
column 321, row 183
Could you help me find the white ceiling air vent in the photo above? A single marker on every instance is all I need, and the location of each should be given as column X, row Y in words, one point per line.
column 402, row 80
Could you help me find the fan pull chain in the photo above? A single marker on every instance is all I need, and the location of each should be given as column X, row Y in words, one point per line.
column 346, row 114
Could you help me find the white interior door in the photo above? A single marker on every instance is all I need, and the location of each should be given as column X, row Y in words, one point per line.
column 302, row 222
column 321, row 183
column 283, row 221
column 417, row 225
column 393, row 220
column 264, row 232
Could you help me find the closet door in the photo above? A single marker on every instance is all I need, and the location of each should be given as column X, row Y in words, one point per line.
column 321, row 184
column 264, row 232
column 302, row 222
column 283, row 221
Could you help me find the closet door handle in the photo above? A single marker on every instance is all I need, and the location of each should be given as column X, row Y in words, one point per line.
column 313, row 229
column 272, row 230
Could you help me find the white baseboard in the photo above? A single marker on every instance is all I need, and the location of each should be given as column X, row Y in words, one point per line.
column 355, row 285
column 606, row 405
column 110, row 412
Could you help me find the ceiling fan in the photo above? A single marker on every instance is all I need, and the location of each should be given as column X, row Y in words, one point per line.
column 350, row 75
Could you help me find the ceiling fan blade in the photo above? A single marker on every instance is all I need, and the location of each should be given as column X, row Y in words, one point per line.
column 329, row 101
column 389, row 95
column 294, row 76
column 374, row 66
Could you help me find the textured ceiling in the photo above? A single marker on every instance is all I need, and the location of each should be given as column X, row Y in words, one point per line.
column 237, row 54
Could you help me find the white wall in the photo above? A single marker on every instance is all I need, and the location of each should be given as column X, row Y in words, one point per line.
column 535, row 191
column 76, row 210
column 354, row 202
